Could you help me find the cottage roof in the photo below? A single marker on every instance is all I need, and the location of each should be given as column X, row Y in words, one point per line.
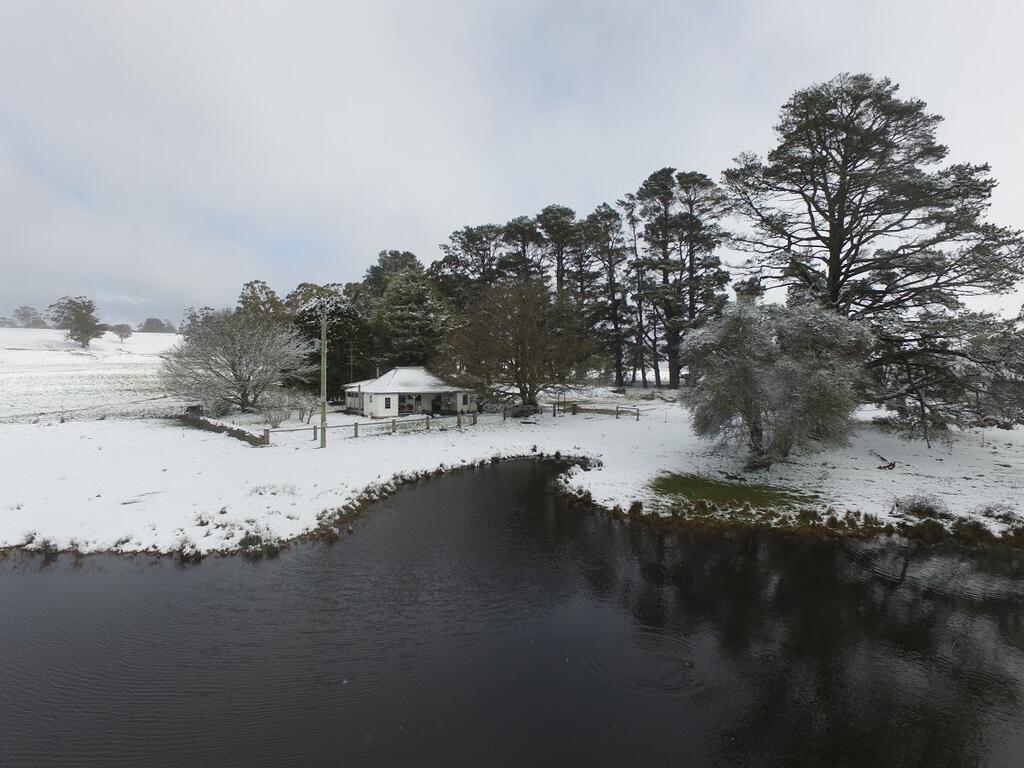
column 411, row 379
column 357, row 384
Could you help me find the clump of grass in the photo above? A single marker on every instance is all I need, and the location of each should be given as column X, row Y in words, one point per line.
column 48, row 550
column 729, row 493
column 808, row 516
column 973, row 532
column 187, row 552
column 255, row 546
column 928, row 531
column 922, row 506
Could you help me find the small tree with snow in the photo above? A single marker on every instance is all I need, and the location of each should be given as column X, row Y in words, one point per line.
column 77, row 316
column 236, row 358
column 28, row 317
column 121, row 330
column 776, row 378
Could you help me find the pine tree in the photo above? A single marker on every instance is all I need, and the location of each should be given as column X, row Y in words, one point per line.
column 470, row 263
column 557, row 225
column 411, row 317
column 855, row 208
column 602, row 231
column 523, row 257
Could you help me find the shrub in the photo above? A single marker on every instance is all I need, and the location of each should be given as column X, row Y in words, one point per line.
column 923, row 505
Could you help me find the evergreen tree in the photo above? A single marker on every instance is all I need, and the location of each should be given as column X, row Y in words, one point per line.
column 523, row 256
column 657, row 198
column 602, row 231
column 411, row 317
column 637, row 281
column 470, row 262
column 258, row 298
column 557, row 225
column 77, row 316
column 353, row 346
column 156, row 325
column 701, row 207
column 389, row 263
column 855, row 208
column 28, row 317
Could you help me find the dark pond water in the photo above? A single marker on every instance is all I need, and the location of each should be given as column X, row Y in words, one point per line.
column 474, row 620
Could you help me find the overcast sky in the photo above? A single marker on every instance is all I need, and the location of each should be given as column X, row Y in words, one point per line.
column 156, row 155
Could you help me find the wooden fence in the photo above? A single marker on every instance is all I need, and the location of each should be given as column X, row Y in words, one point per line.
column 575, row 408
column 384, row 426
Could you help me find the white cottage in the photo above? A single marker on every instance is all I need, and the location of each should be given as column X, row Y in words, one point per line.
column 406, row 390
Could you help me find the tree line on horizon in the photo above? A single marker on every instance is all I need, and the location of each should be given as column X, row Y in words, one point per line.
column 56, row 316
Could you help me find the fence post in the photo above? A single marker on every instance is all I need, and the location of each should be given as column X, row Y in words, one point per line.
column 638, row 413
column 554, row 409
column 504, row 413
column 458, row 420
column 355, row 429
column 427, row 421
column 314, row 431
column 266, row 437
column 394, row 426
column 616, row 411
column 475, row 416
column 575, row 409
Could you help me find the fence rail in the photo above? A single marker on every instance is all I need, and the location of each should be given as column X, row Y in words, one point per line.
column 383, row 426
column 575, row 408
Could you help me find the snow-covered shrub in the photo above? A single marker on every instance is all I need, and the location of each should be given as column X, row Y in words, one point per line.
column 774, row 377
column 276, row 406
column 922, row 505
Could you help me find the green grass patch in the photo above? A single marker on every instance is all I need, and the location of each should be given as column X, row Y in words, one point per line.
column 728, row 493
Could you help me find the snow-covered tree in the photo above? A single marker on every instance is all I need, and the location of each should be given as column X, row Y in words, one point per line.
column 235, row 357
column 774, row 377
column 121, row 330
column 77, row 316
column 156, row 325
column 28, row 317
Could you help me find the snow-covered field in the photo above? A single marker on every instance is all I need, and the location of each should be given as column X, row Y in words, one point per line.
column 148, row 484
column 41, row 372
column 141, row 484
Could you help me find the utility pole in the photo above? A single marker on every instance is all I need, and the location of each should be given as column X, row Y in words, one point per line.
column 323, row 376
column 351, row 361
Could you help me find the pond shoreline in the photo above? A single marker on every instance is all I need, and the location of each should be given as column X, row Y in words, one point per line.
column 668, row 518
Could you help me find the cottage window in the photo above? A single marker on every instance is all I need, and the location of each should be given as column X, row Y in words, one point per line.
column 387, row 403
column 465, row 399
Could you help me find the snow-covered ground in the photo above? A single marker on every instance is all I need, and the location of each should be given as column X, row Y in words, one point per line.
column 103, row 481
column 41, row 372
column 142, row 484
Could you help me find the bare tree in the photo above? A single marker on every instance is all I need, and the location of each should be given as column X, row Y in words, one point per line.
column 236, row 358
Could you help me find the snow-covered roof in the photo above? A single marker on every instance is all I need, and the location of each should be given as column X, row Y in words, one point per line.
column 361, row 383
column 412, row 379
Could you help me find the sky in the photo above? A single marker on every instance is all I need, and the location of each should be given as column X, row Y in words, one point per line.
column 156, row 155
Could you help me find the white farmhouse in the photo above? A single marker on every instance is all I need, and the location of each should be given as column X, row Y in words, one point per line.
column 407, row 390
